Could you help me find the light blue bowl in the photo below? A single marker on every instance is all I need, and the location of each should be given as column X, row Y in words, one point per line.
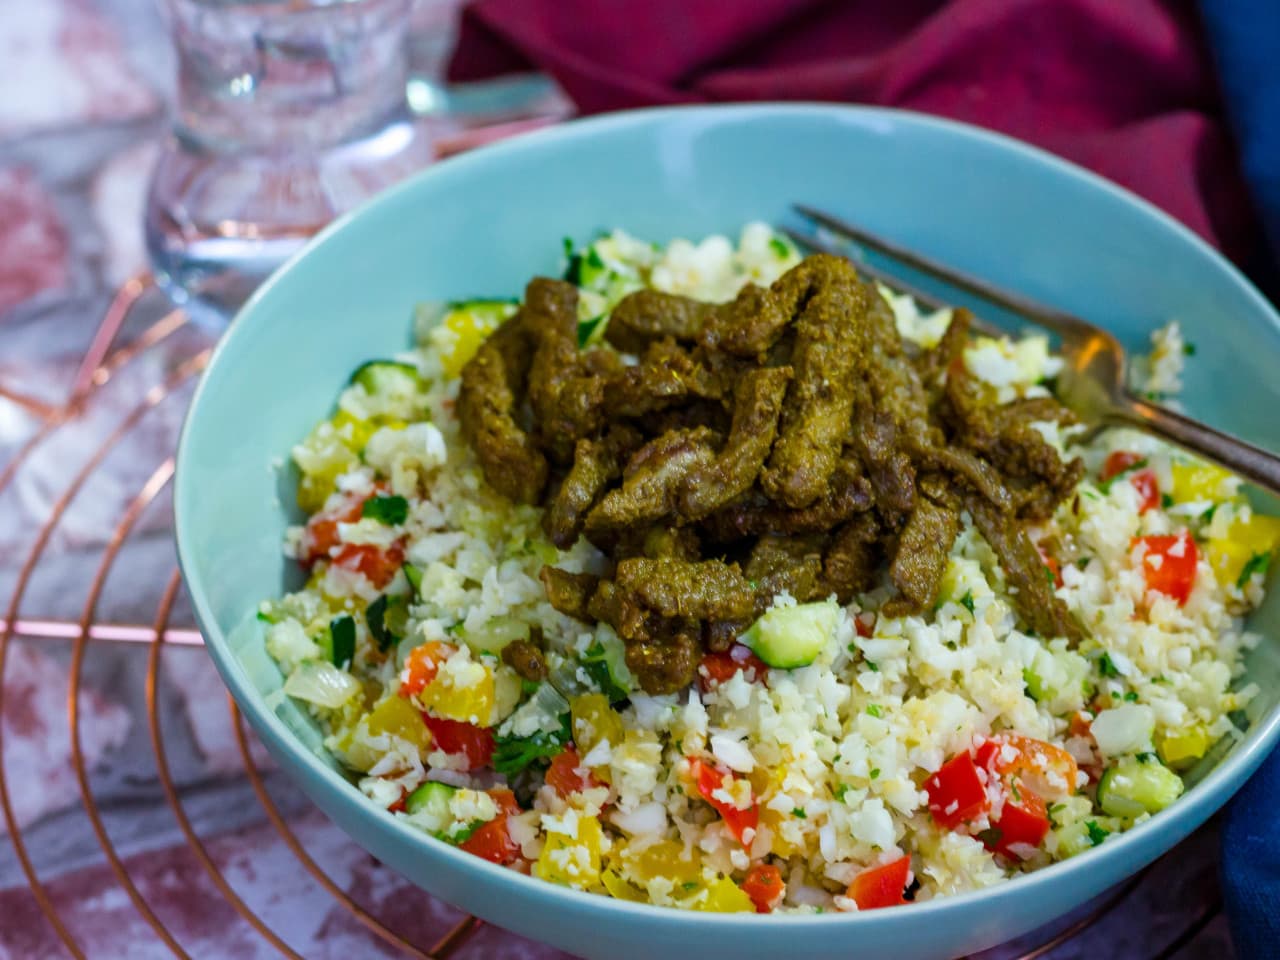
column 486, row 222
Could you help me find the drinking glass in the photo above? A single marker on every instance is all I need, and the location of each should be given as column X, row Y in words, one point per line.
column 288, row 113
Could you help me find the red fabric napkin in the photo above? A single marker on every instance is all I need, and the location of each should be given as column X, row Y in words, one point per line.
column 1125, row 88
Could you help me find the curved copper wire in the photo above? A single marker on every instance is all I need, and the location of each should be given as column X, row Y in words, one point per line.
column 128, row 294
column 153, row 397
column 171, row 791
column 313, row 868
column 155, row 483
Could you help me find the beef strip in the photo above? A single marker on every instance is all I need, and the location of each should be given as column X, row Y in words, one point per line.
column 487, row 409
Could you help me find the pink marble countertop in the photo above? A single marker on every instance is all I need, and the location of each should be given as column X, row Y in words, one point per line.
column 81, row 108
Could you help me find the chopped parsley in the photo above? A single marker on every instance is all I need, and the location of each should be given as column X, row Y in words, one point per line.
column 342, row 635
column 1096, row 833
column 799, row 812
column 392, row 511
column 513, row 754
column 1258, row 563
column 1146, row 757
column 1131, row 697
column 873, row 666
column 875, row 772
column 990, row 837
column 1107, row 667
column 586, row 328
column 1188, row 349
column 1207, row 516
column 1083, row 562
column 690, row 884
column 874, row 710
column 842, row 790
column 528, row 687
column 376, row 614
column 967, row 601
column 593, row 258
column 780, row 247
column 1166, row 501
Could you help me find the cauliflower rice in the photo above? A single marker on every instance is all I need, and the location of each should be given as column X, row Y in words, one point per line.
column 394, row 647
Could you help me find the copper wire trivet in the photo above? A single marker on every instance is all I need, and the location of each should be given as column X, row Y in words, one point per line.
column 102, row 360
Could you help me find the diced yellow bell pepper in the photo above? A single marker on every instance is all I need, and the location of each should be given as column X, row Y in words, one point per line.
column 466, row 695
column 1245, row 539
column 1200, row 481
column 1182, row 747
column 621, row 889
column 470, row 326
column 573, row 861
column 666, row 858
column 723, row 896
column 398, row 717
column 594, row 720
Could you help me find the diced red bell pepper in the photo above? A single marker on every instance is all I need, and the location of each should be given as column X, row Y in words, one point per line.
column 421, row 665
column 492, row 841
column 956, row 793
column 1144, row 481
column 1047, row 769
column 1050, row 561
column 864, row 624
column 567, row 776
column 459, row 738
column 708, row 780
column 1169, row 564
column 763, row 884
column 716, row 668
column 379, row 566
column 1024, row 820
column 881, row 886
column 321, row 533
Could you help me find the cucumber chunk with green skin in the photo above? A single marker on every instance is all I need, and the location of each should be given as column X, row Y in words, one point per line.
column 387, row 377
column 791, row 637
column 431, row 798
column 1134, row 787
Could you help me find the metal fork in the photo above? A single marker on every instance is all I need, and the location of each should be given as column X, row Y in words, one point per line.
column 1092, row 382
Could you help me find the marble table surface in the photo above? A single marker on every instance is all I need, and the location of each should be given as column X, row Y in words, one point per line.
column 83, row 85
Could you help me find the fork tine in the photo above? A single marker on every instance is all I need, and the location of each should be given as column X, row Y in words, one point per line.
column 1005, row 299
column 927, row 300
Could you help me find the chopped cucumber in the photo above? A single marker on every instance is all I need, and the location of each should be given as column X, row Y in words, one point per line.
column 1134, row 787
column 790, row 637
column 381, row 377
column 432, row 799
column 1056, row 678
column 1076, row 838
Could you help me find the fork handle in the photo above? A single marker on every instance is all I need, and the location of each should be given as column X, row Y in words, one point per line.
column 1244, row 459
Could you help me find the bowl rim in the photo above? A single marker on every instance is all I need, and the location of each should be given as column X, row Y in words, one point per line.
column 1139, row 845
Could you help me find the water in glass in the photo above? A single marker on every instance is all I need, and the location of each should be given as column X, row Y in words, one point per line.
column 288, row 113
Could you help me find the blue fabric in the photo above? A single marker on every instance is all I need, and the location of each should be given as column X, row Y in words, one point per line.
column 1245, row 37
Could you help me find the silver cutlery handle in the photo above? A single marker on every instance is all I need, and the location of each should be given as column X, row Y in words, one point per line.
column 1244, row 459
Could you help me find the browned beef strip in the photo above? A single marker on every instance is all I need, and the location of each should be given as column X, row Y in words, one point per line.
column 647, row 315
column 852, row 559
column 667, row 660
column 667, row 374
column 785, row 563
column 710, row 590
column 753, row 514
column 526, row 658
column 1029, row 579
column 596, row 464
column 830, row 340
column 920, row 557
column 570, row 593
column 757, row 404
column 566, row 392
column 487, row 407
column 652, row 480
